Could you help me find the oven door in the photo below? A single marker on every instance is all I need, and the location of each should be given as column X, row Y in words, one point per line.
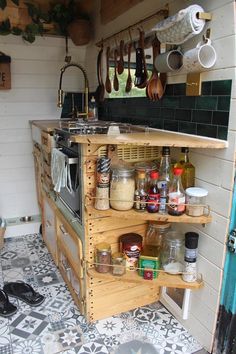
column 71, row 194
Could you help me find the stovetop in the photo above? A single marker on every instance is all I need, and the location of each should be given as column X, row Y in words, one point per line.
column 98, row 127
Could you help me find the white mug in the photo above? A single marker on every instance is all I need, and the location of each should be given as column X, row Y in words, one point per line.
column 169, row 61
column 199, row 58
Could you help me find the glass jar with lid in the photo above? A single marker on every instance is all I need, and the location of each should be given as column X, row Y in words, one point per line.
column 195, row 200
column 103, row 257
column 156, row 233
column 122, row 188
column 172, row 256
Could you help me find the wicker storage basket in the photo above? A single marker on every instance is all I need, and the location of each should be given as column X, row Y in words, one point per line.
column 2, row 232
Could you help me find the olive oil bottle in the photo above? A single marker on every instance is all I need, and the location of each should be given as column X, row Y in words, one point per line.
column 188, row 174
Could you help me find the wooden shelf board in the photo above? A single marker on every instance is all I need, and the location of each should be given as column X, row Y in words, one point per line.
column 157, row 138
column 145, row 216
column 163, row 279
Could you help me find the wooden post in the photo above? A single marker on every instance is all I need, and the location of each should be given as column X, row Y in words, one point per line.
column 5, row 72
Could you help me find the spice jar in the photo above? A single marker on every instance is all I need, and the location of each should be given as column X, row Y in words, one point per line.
column 147, row 168
column 131, row 246
column 103, row 257
column 103, row 180
column 172, row 256
column 122, row 188
column 195, row 200
column 118, row 263
column 156, row 233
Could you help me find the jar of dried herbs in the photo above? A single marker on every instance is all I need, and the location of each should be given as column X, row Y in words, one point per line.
column 118, row 263
column 103, row 257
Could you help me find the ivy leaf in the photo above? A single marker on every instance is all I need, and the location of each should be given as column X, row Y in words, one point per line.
column 16, row 31
column 29, row 37
column 5, row 27
column 32, row 10
column 16, row 2
column 3, row 4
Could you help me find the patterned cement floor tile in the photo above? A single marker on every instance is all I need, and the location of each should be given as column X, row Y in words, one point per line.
column 32, row 346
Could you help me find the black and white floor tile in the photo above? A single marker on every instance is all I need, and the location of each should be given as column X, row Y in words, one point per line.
column 56, row 326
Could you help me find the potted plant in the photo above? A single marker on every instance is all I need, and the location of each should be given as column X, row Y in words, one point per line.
column 71, row 23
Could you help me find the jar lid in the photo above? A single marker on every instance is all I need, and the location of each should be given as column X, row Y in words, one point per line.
column 154, row 175
column 123, row 171
column 174, row 237
column 103, row 246
column 160, row 225
column 191, row 240
column 177, row 171
column 196, row 192
column 131, row 238
column 145, row 166
column 141, row 174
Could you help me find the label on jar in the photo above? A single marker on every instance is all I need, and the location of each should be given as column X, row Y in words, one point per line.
column 190, row 272
column 103, row 180
column 176, row 202
column 132, row 253
column 190, row 255
column 153, row 207
column 138, row 205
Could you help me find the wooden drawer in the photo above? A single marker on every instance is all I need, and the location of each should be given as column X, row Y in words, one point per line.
column 47, row 142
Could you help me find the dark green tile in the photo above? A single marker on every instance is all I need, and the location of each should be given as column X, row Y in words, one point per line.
column 168, row 113
column 169, row 90
column 156, row 123
column 206, row 88
column 179, row 89
column 223, row 103
column 171, row 125
column 141, row 111
column 201, row 116
column 170, row 102
column 220, row 118
column 183, row 114
column 206, row 102
column 207, row 130
column 187, row 102
column 189, row 128
column 222, row 87
column 154, row 112
column 222, row 133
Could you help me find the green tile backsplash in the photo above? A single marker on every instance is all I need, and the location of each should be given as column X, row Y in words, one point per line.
column 205, row 115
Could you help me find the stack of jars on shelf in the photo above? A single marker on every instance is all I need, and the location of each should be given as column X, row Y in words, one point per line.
column 162, row 248
column 156, row 187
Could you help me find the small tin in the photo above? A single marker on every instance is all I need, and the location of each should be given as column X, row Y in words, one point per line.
column 148, row 264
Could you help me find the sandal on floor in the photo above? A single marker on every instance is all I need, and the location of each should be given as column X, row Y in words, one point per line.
column 7, row 309
column 24, row 292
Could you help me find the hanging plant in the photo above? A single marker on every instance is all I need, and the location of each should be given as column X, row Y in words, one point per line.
column 3, row 3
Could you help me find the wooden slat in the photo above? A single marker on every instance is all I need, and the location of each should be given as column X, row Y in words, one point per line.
column 46, row 125
column 163, row 279
column 106, row 223
column 110, row 9
column 132, row 215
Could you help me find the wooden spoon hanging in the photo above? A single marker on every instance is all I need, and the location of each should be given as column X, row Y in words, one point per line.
column 115, row 80
column 154, row 88
column 108, row 81
column 100, row 91
column 128, row 86
column 120, row 64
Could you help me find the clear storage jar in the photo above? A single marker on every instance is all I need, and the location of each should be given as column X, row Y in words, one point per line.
column 156, row 233
column 195, row 200
column 146, row 167
column 103, row 257
column 172, row 256
column 122, row 188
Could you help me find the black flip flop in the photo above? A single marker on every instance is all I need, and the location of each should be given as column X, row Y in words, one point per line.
column 7, row 309
column 24, row 292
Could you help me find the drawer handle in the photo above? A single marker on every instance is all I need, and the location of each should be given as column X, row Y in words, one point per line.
column 48, row 223
column 61, row 227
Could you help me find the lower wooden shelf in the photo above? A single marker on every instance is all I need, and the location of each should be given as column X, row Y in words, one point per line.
column 163, row 279
column 133, row 214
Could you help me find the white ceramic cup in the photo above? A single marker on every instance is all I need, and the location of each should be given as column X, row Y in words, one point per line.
column 169, row 61
column 199, row 58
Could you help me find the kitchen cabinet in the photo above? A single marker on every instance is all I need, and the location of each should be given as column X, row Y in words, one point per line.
column 49, row 227
column 38, row 172
column 102, row 295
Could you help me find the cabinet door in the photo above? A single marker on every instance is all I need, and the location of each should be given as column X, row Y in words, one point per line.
column 49, row 229
column 38, row 173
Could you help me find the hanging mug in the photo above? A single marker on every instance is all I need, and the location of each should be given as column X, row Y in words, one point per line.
column 199, row 58
column 169, row 61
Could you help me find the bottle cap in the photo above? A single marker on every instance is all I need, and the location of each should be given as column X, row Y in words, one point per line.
column 177, row 171
column 141, row 174
column 165, row 150
column 196, row 192
column 191, row 240
column 184, row 149
column 92, row 99
column 154, row 175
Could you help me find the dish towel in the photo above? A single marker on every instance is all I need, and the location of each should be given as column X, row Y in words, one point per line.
column 180, row 27
column 58, row 169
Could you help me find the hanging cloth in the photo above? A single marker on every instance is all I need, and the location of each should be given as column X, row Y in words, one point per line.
column 180, row 27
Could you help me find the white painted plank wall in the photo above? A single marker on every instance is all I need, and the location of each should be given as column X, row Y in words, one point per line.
column 35, row 71
column 214, row 169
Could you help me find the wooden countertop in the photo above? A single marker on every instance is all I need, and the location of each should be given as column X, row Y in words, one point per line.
column 157, row 138
column 152, row 138
column 46, row 125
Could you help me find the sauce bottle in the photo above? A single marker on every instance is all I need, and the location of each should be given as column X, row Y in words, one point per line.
column 176, row 204
column 140, row 194
column 153, row 193
column 188, row 174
